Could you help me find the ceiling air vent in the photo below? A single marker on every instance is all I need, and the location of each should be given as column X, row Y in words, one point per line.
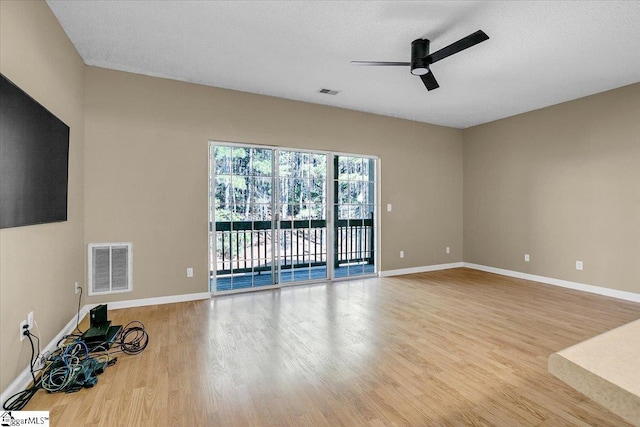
column 328, row 91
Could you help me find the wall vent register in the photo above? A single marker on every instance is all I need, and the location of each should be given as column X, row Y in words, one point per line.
column 110, row 266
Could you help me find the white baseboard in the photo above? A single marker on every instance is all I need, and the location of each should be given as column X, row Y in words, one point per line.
column 24, row 378
column 159, row 300
column 422, row 269
column 614, row 293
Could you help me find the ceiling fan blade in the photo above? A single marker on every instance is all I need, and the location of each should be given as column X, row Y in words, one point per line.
column 430, row 81
column 380, row 63
column 462, row 44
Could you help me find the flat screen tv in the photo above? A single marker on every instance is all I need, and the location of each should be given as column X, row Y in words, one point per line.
column 34, row 160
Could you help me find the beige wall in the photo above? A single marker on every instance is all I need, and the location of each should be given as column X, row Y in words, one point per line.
column 141, row 176
column 146, row 171
column 562, row 184
column 39, row 264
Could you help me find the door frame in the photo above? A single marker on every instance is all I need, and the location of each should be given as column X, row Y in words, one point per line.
column 330, row 217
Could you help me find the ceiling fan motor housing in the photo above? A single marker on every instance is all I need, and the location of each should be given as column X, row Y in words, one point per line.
column 419, row 53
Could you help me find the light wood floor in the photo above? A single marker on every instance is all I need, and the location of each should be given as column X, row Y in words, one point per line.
column 456, row 347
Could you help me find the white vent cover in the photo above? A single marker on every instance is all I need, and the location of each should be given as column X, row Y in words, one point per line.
column 110, row 268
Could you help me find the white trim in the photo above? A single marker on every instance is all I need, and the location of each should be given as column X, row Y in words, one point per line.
column 377, row 224
column 23, row 379
column 288, row 148
column 422, row 269
column 330, row 209
column 217, row 293
column 608, row 292
column 158, row 300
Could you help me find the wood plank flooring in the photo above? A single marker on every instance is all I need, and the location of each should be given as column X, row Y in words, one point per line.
column 454, row 348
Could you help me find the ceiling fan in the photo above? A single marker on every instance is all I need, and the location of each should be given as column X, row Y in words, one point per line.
column 421, row 59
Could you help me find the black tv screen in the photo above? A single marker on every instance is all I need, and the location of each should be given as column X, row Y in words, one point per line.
column 34, row 160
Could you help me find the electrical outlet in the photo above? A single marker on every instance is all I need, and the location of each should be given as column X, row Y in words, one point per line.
column 190, row 272
column 30, row 320
column 526, row 257
column 579, row 265
column 401, row 254
column 23, row 327
column 76, row 288
column 389, row 207
column 448, row 250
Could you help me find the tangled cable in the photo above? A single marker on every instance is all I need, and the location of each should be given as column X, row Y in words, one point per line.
column 133, row 338
column 74, row 365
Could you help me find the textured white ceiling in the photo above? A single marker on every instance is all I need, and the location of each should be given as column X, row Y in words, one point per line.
column 539, row 53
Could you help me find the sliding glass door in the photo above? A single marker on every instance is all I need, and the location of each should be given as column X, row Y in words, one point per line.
column 241, row 217
column 272, row 222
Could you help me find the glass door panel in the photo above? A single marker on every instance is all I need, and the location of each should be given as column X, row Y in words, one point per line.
column 268, row 217
column 301, row 206
column 354, row 216
column 241, row 218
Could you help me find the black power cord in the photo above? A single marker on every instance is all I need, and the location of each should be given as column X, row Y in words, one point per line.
column 133, row 338
column 20, row 399
column 78, row 313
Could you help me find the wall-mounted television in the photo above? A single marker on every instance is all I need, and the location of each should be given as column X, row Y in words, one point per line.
column 34, row 160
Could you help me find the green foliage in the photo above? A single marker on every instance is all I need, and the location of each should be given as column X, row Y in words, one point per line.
column 245, row 181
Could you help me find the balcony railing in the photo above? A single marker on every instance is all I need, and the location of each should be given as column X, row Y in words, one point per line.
column 248, row 246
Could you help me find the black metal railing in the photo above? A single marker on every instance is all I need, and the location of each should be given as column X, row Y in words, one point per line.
column 354, row 241
column 245, row 246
